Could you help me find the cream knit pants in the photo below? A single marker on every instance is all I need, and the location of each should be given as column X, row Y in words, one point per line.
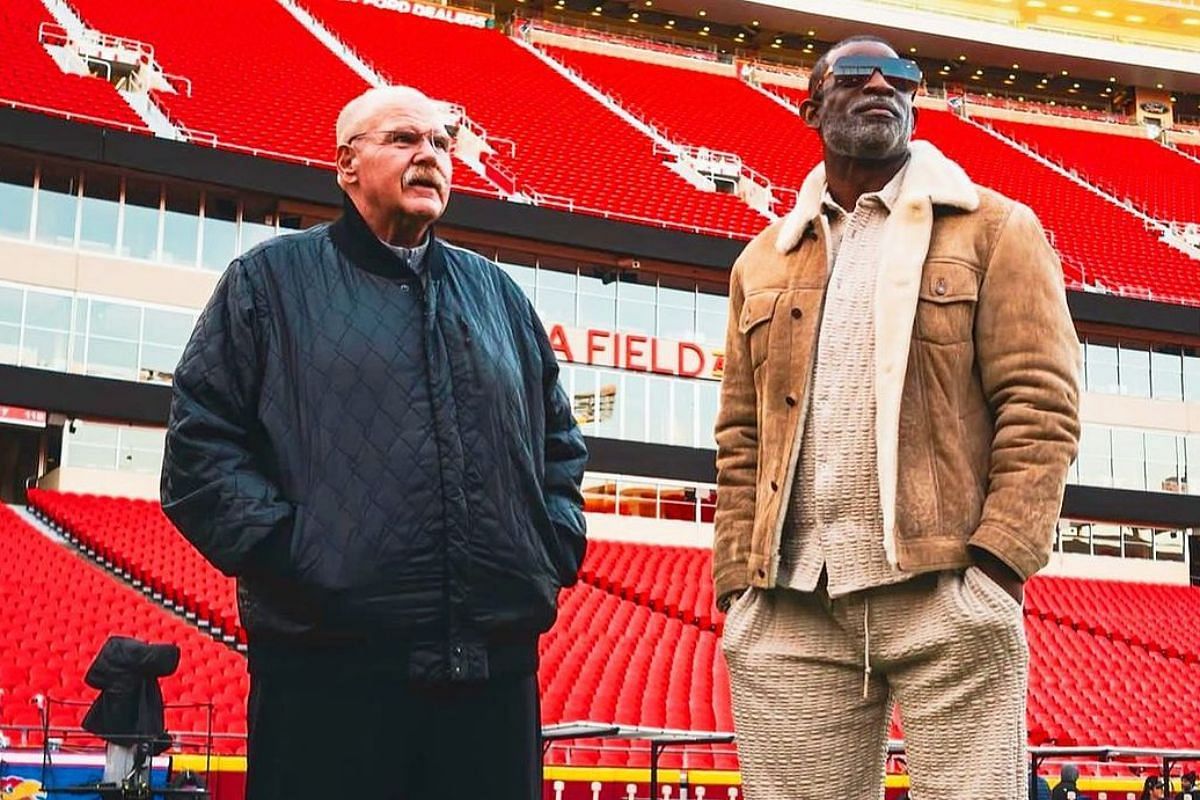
column 812, row 721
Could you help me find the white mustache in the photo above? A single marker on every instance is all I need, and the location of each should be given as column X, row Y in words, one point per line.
column 425, row 176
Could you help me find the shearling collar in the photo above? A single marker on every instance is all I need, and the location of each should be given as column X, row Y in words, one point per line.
column 929, row 175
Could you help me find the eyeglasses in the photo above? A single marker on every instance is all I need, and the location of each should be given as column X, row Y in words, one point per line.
column 442, row 140
column 853, row 72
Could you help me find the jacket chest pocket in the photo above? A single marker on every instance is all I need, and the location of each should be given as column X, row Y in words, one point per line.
column 946, row 304
column 755, row 324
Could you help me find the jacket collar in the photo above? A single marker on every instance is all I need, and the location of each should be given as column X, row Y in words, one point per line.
column 362, row 248
column 929, row 174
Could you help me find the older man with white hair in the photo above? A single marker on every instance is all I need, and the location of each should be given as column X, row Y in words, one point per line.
column 368, row 432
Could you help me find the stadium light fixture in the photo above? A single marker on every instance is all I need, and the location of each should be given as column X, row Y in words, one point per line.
column 1174, row 99
column 1112, row 78
column 1191, row 20
column 1075, row 85
column 1035, row 4
column 1158, row 86
column 1065, row 73
column 1012, row 77
column 962, row 58
column 1016, row 66
column 1103, row 13
column 1134, row 18
column 812, row 33
column 634, row 16
column 754, row 22
column 703, row 13
column 670, row 22
column 912, row 49
column 1069, row 9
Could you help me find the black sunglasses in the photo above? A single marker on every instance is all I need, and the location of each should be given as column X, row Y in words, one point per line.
column 853, row 72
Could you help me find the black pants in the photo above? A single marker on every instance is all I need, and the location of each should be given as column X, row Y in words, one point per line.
column 381, row 737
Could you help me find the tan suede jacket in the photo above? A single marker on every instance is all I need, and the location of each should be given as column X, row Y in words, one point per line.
column 976, row 376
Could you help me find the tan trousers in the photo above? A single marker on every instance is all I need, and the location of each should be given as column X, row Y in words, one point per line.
column 812, row 722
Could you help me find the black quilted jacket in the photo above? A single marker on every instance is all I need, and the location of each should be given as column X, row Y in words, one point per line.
column 379, row 460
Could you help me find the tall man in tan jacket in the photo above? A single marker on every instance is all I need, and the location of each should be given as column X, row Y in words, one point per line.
column 898, row 413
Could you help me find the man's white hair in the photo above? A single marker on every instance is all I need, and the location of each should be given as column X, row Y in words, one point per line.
column 356, row 113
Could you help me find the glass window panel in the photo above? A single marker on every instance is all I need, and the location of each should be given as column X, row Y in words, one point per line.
column 258, row 221
column 1135, row 370
column 524, row 276
column 11, row 300
column 658, row 411
column 712, row 315
column 115, row 320
column 1075, row 537
column 1163, row 473
column 1101, row 360
column 597, row 302
column 1166, row 377
column 683, row 414
column 1106, row 539
column 710, row 396
column 181, row 225
column 167, row 327
column 1138, row 542
column 101, row 201
column 1129, row 459
column 1168, row 545
column 112, row 358
column 220, row 230
column 1191, row 374
column 45, row 349
column 43, row 310
column 676, row 313
column 635, row 308
column 159, row 361
column 556, row 297
column 1095, row 456
column 79, row 350
column 607, row 422
column 633, row 406
column 16, row 195
column 10, row 344
column 58, row 203
column 139, row 232
column 584, row 401
column 1192, row 464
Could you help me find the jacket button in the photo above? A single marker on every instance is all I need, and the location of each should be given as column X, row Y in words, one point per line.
column 405, row 288
column 791, row 399
column 774, row 486
column 940, row 287
column 797, row 313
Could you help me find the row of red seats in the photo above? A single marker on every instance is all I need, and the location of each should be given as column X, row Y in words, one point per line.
column 138, row 539
column 682, row 101
column 632, row 646
column 59, row 610
column 676, row 581
column 1139, row 614
column 1100, row 243
column 568, row 148
column 1158, row 181
column 566, row 144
